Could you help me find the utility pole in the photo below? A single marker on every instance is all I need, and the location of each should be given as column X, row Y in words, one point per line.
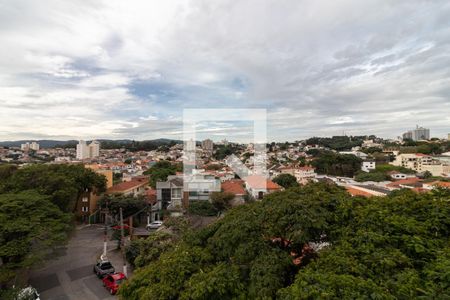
column 105, row 236
column 122, row 243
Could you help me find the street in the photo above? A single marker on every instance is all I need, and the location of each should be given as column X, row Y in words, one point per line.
column 70, row 274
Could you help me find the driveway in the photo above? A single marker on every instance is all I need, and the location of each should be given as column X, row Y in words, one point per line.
column 70, row 275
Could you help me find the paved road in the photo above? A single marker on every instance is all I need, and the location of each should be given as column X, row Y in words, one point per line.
column 69, row 276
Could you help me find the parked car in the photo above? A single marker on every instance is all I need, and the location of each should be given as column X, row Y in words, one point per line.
column 28, row 293
column 154, row 225
column 113, row 281
column 103, row 268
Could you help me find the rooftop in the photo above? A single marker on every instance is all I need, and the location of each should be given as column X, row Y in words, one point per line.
column 234, row 186
column 259, row 182
column 127, row 185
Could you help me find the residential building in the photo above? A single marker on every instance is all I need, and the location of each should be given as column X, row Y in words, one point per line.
column 85, row 151
column 413, row 161
column 207, row 146
column 82, row 150
column 29, row 146
column 170, row 194
column 370, row 144
column 87, row 203
column 258, row 186
column 235, row 187
column 155, row 206
column 417, row 134
column 359, row 154
column 368, row 165
column 396, row 175
column 134, row 187
column 410, row 183
column 421, row 163
column 302, row 174
column 305, row 174
column 436, row 184
column 94, row 149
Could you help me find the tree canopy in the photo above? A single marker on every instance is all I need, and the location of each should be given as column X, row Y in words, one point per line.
column 30, row 226
column 310, row 242
column 35, row 206
column 161, row 170
column 286, row 180
column 63, row 183
column 330, row 163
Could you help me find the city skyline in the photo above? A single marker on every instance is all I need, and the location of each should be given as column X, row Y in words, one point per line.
column 114, row 70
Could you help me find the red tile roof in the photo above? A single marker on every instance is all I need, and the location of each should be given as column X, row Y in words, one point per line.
column 306, row 168
column 357, row 192
column 234, row 186
column 257, row 182
column 127, row 185
column 442, row 184
column 397, row 183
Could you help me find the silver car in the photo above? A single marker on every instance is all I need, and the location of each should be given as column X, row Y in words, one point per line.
column 103, row 268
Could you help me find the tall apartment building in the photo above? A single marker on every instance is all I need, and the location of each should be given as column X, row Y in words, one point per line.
column 30, row 146
column 85, row 151
column 207, row 146
column 417, row 134
column 94, row 149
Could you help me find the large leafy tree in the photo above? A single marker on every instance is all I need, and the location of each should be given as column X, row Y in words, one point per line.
column 62, row 183
column 161, row 170
column 30, row 226
column 330, row 163
column 286, row 180
column 129, row 204
column 307, row 243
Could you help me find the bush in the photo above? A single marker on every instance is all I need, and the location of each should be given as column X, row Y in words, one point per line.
column 202, row 208
column 371, row 176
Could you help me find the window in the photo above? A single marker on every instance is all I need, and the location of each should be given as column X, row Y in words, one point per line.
column 84, row 209
column 176, row 193
column 84, row 199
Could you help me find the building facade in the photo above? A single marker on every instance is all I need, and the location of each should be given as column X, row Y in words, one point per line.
column 85, row 151
column 417, row 134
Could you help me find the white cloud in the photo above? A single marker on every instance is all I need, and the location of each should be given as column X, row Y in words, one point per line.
column 108, row 68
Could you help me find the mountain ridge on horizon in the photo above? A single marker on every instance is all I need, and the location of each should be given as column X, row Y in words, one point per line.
column 49, row 143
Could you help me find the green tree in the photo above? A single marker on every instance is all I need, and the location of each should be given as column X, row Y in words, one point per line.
column 286, row 180
column 331, row 163
column 393, row 247
column 161, row 170
column 30, row 227
column 63, row 183
column 129, row 204
column 371, row 176
column 202, row 208
column 141, row 252
column 222, row 200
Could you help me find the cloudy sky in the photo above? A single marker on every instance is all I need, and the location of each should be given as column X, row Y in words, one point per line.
column 127, row 69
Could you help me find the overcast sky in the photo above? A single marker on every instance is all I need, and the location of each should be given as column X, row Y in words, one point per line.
column 127, row 69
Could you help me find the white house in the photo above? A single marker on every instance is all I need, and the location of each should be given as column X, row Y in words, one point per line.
column 368, row 165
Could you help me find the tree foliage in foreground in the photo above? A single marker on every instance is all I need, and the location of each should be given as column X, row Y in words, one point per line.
column 30, row 226
column 380, row 248
column 62, row 183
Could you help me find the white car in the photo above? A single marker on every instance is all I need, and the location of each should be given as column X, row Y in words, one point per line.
column 154, row 225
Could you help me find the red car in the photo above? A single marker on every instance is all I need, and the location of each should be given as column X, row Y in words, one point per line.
column 113, row 281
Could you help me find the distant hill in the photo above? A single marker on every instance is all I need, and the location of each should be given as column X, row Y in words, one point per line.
column 105, row 142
